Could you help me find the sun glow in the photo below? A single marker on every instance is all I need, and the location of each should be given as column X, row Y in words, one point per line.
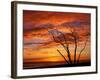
column 41, row 47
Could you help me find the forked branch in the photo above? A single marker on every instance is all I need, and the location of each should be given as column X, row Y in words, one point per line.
column 66, row 47
column 81, row 51
column 63, row 56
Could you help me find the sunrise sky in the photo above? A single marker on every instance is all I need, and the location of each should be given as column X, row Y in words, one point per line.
column 39, row 45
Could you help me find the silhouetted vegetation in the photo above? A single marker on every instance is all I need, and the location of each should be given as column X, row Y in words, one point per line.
column 65, row 40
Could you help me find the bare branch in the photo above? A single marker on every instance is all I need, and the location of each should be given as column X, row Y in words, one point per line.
column 75, row 41
column 75, row 49
column 81, row 51
column 66, row 47
column 68, row 52
column 63, row 56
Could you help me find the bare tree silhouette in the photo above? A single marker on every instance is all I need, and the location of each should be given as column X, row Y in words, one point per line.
column 64, row 43
column 63, row 40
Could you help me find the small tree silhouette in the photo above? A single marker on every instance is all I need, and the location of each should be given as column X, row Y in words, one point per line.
column 60, row 38
column 73, row 37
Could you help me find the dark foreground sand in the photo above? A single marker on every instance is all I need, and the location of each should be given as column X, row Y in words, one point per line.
column 32, row 65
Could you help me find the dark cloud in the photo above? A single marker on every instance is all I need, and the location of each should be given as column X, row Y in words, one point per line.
column 28, row 27
column 39, row 24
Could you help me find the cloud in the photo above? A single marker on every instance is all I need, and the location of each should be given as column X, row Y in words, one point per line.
column 39, row 17
column 42, row 38
column 35, row 27
column 39, row 24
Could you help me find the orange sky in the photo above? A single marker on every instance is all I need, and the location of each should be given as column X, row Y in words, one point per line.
column 39, row 45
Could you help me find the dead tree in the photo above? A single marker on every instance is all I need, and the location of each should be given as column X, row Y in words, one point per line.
column 75, row 38
column 65, row 45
